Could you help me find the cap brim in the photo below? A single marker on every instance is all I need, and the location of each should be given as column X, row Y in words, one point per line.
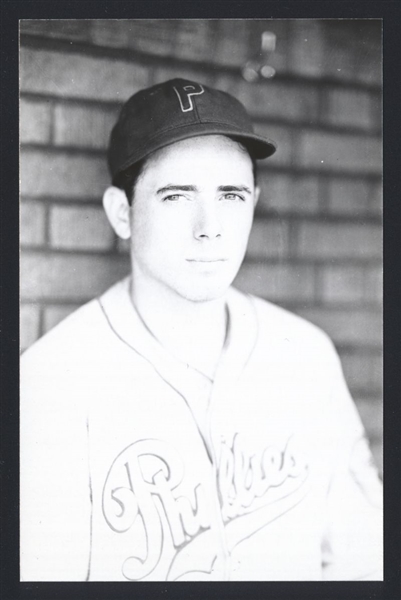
column 258, row 146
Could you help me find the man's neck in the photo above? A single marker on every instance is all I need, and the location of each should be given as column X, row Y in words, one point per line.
column 194, row 332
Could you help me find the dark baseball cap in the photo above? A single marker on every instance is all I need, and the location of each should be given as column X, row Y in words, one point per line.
column 176, row 110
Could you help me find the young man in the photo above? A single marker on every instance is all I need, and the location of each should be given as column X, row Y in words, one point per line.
column 174, row 428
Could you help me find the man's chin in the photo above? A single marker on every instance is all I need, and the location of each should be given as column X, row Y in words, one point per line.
column 208, row 294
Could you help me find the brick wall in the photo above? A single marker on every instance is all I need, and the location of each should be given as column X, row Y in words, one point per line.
column 316, row 244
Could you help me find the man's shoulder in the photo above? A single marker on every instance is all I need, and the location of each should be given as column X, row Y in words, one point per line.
column 67, row 336
column 278, row 322
column 82, row 329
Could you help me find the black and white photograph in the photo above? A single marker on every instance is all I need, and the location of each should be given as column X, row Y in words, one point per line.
column 201, row 300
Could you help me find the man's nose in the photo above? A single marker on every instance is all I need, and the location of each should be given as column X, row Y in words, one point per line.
column 207, row 223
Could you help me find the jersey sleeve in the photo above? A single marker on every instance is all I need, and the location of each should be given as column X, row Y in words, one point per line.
column 352, row 546
column 54, row 479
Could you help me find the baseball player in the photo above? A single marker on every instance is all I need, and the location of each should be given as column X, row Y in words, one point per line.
column 174, row 428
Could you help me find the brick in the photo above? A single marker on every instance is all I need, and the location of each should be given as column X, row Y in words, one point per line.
column 376, row 198
column 339, row 41
column 62, row 175
column 307, row 48
column 69, row 277
column 232, row 47
column 349, row 108
column 353, row 50
column 82, row 126
column 360, row 327
column 115, row 33
column 374, row 285
column 123, row 246
column 305, row 194
column 285, row 193
column 80, row 228
column 343, row 152
column 377, row 110
column 32, row 224
column 268, row 99
column 53, row 315
column 79, row 76
column 371, row 413
column 295, row 103
column 152, row 36
column 269, row 239
column 332, row 240
column 283, row 138
column 363, row 371
column 71, row 29
column 341, row 65
column 275, row 190
column 342, row 284
column 35, row 121
column 29, row 325
column 347, row 196
column 278, row 283
column 194, row 40
column 369, row 67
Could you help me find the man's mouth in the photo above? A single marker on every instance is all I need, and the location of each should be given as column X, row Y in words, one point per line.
column 206, row 259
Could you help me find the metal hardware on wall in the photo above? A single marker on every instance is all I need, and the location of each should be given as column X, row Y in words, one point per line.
column 257, row 67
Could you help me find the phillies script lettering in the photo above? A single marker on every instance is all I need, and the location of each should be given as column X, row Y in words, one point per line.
column 147, row 480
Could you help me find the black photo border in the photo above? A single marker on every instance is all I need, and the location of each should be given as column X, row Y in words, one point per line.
column 11, row 12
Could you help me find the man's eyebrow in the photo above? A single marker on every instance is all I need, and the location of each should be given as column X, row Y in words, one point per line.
column 234, row 188
column 192, row 188
column 177, row 188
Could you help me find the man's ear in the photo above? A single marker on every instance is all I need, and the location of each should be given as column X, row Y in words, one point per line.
column 256, row 197
column 117, row 209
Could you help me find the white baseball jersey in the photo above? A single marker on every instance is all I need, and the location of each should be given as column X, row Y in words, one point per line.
column 137, row 467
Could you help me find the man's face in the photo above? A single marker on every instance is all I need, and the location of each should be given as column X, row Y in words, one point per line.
column 191, row 217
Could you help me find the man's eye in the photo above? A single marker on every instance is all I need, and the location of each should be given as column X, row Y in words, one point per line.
column 233, row 196
column 172, row 198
